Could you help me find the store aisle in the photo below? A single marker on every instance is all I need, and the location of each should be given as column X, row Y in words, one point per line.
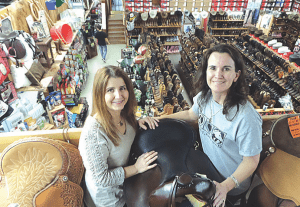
column 113, row 54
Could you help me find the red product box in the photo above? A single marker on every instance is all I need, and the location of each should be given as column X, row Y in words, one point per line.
column 136, row 1
column 155, row 8
column 147, row 8
column 166, row 4
column 139, row 9
column 130, row 8
column 147, row 1
column 164, row 1
column 147, row 4
column 214, row 8
column 164, row 9
column 138, row 4
column 129, row 3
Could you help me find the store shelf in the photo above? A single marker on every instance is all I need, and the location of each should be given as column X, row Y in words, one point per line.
column 275, row 79
column 165, row 35
column 225, row 35
column 172, row 43
column 228, row 20
column 177, row 26
column 229, row 28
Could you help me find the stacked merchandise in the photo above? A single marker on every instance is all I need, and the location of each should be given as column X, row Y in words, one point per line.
column 146, row 5
column 278, row 5
column 193, row 46
column 296, row 7
column 165, row 25
column 73, row 72
column 271, row 78
column 190, row 5
column 232, row 5
column 157, row 84
column 227, row 24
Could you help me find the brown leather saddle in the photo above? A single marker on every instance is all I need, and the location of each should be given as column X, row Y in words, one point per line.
column 178, row 162
column 41, row 172
column 279, row 166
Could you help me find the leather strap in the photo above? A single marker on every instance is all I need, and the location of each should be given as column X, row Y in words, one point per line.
column 173, row 192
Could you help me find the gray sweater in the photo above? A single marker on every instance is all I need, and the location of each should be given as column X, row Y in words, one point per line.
column 104, row 164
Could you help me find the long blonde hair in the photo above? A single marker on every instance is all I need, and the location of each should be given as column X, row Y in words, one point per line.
column 99, row 106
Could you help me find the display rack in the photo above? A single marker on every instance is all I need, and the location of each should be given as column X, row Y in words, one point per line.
column 279, row 5
column 226, row 26
column 295, row 95
column 170, row 27
column 286, row 29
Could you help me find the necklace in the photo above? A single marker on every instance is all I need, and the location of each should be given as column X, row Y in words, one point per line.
column 121, row 123
column 212, row 115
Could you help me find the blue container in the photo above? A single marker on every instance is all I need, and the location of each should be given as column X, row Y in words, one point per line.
column 51, row 4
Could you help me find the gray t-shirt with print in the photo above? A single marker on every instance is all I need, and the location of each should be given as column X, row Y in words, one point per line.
column 227, row 142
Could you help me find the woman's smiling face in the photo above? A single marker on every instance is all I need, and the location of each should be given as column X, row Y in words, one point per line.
column 116, row 95
column 220, row 73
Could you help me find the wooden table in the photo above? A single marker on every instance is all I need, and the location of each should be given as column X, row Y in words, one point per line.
column 43, row 47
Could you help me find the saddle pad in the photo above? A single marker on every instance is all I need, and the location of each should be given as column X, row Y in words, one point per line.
column 280, row 173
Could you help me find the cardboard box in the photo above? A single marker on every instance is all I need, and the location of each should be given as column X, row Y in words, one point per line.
column 147, row 4
column 138, row 4
column 147, row 8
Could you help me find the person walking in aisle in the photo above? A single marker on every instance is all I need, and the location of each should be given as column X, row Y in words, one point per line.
column 102, row 42
column 107, row 136
column 229, row 126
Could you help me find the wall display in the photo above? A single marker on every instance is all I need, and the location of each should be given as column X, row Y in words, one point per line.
column 266, row 21
column 6, row 27
column 37, row 27
column 73, row 72
column 44, row 22
column 227, row 24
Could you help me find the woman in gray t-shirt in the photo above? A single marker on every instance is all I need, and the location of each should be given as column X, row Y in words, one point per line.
column 106, row 139
column 230, row 128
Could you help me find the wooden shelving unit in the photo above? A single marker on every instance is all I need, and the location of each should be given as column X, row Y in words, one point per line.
column 150, row 25
column 226, row 27
column 288, row 28
column 272, row 76
column 231, row 20
column 229, row 29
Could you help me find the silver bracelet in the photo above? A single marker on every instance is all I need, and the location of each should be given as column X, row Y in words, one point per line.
column 236, row 182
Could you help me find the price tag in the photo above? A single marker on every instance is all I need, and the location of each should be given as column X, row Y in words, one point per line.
column 294, row 125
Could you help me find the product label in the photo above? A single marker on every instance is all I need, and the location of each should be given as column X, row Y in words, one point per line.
column 294, row 126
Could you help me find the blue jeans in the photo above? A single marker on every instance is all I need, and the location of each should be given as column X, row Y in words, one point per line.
column 103, row 51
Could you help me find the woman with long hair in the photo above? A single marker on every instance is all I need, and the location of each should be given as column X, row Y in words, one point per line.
column 107, row 137
column 229, row 126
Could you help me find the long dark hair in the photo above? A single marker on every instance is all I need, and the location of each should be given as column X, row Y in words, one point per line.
column 99, row 105
column 238, row 91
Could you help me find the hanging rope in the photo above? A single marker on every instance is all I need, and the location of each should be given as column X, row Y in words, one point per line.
column 34, row 10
